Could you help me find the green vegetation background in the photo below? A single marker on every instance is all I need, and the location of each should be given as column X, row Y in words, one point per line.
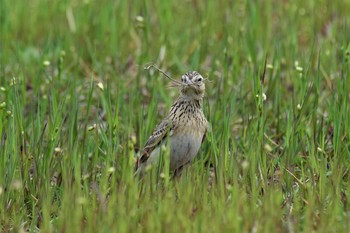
column 76, row 105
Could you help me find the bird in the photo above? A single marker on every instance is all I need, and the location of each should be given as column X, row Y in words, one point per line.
column 184, row 128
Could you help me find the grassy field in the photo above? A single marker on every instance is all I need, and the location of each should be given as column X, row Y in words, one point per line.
column 76, row 106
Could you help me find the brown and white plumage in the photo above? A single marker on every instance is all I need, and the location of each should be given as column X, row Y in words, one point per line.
column 185, row 126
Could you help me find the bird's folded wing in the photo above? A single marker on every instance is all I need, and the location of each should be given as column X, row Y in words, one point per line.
column 158, row 135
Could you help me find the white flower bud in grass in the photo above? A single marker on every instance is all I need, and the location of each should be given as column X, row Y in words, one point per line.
column 2, row 105
column 299, row 68
column 58, row 150
column 162, row 53
column 13, row 81
column 46, row 63
column 267, row 147
column 2, row 89
column 245, row 164
column 269, row 66
column 100, row 85
column 263, row 96
column 91, row 128
column 299, row 106
column 139, row 19
column 111, row 169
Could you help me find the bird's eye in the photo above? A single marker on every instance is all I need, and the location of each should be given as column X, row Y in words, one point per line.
column 199, row 80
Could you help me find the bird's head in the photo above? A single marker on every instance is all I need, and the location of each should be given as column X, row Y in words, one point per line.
column 192, row 85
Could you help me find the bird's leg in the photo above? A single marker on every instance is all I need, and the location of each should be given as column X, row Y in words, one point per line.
column 177, row 173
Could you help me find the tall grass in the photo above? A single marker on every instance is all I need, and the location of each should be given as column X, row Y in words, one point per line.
column 76, row 106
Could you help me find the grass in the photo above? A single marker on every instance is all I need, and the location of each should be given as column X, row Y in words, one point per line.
column 76, row 106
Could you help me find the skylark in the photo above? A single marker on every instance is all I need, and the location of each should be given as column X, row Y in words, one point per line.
column 184, row 128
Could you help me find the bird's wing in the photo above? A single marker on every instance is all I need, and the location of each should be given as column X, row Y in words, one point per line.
column 207, row 130
column 159, row 134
